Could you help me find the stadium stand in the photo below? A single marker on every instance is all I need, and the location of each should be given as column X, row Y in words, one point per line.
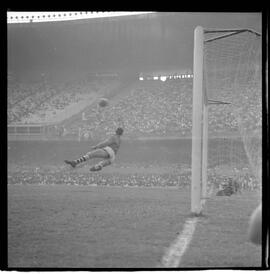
column 146, row 109
column 159, row 109
column 44, row 103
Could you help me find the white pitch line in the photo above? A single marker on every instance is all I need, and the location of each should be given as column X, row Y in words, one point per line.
column 174, row 254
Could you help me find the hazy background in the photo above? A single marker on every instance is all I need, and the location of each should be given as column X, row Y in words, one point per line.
column 157, row 41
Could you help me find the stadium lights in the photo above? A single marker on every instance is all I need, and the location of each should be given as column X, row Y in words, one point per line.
column 163, row 78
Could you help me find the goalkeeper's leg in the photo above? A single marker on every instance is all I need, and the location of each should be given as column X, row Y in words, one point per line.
column 97, row 153
column 100, row 165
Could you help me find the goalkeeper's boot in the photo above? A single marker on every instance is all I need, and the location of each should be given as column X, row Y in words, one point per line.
column 96, row 168
column 72, row 163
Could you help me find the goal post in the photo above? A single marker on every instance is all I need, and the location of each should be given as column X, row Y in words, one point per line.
column 199, row 127
column 226, row 112
column 197, row 122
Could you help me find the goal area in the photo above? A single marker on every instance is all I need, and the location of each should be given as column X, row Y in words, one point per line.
column 227, row 112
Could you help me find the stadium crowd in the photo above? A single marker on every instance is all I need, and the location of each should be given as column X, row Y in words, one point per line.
column 160, row 109
column 150, row 108
column 41, row 102
column 55, row 175
column 147, row 109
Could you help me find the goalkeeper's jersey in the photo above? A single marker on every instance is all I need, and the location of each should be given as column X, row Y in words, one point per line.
column 115, row 145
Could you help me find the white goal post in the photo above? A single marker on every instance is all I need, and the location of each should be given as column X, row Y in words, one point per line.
column 226, row 68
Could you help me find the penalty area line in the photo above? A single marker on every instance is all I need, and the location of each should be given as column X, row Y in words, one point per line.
column 174, row 254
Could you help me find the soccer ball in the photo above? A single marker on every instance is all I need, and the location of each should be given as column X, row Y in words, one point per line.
column 103, row 102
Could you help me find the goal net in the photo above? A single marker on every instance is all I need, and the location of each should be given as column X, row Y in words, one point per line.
column 231, row 113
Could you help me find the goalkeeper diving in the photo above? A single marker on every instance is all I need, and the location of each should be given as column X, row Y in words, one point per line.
column 105, row 150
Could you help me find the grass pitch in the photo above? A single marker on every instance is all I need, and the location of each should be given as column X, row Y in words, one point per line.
column 82, row 226
column 220, row 239
column 115, row 227
column 92, row 227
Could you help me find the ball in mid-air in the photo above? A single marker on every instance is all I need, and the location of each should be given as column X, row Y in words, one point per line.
column 255, row 226
column 103, row 102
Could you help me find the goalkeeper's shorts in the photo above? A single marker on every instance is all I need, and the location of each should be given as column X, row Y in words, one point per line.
column 111, row 153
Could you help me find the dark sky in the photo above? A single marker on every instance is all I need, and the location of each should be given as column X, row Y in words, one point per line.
column 138, row 43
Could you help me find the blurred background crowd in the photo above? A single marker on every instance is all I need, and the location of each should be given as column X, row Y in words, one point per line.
column 144, row 108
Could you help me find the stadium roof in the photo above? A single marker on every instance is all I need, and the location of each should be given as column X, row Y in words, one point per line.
column 132, row 41
column 33, row 17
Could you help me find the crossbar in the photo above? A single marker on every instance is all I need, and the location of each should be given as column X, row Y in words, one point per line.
column 232, row 32
column 214, row 102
